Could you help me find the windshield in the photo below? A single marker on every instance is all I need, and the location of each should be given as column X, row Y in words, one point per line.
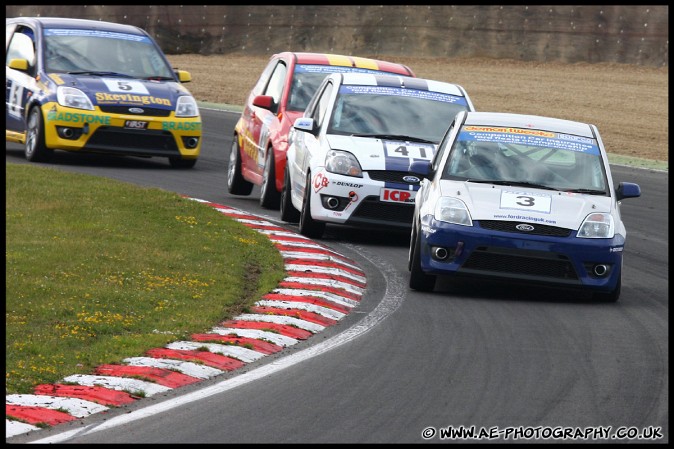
column 104, row 52
column 514, row 156
column 393, row 111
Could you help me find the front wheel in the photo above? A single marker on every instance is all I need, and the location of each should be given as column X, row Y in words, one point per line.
column 308, row 226
column 269, row 196
column 36, row 150
column 236, row 185
column 288, row 211
column 418, row 279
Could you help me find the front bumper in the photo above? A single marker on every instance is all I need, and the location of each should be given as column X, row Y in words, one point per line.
column 361, row 201
column 124, row 134
column 550, row 259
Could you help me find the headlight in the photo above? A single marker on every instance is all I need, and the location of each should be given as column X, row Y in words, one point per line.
column 343, row 163
column 597, row 226
column 187, row 107
column 452, row 210
column 73, row 98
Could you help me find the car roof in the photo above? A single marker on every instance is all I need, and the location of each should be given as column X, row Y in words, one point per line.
column 370, row 79
column 60, row 22
column 347, row 61
column 530, row 121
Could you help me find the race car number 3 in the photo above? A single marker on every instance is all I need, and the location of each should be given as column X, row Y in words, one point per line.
column 525, row 201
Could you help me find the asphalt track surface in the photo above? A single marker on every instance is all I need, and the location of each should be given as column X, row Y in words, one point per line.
column 403, row 367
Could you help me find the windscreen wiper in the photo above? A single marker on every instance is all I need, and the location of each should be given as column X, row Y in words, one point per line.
column 513, row 183
column 395, row 137
column 100, row 73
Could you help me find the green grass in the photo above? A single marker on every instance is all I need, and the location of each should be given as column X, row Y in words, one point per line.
column 98, row 270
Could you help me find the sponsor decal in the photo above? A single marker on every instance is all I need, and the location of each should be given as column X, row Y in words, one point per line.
column 529, row 137
column 181, row 126
column 402, row 92
column 106, row 98
column 73, row 117
column 397, row 196
column 135, row 124
column 348, row 184
column 320, row 181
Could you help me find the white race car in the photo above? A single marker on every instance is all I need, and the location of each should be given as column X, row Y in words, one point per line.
column 349, row 154
column 521, row 198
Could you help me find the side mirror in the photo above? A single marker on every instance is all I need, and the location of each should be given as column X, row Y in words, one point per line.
column 421, row 168
column 18, row 64
column 306, row 124
column 184, row 76
column 628, row 190
column 264, row 102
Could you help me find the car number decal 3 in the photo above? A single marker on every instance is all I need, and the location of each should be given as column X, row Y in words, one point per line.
column 525, row 201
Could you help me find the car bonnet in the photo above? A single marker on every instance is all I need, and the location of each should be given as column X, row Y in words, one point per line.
column 526, row 205
column 382, row 154
column 115, row 91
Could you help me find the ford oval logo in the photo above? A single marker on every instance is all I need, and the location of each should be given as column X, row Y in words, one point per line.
column 136, row 110
column 411, row 179
column 524, row 227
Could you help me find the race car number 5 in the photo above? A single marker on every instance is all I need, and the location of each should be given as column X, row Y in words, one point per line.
column 525, row 201
column 125, row 86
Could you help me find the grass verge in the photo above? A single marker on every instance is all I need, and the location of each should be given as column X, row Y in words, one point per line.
column 98, row 270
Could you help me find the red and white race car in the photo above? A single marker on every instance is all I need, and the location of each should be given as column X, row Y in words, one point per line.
column 281, row 95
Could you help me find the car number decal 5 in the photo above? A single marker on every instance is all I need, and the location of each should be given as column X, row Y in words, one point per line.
column 125, row 86
column 525, row 201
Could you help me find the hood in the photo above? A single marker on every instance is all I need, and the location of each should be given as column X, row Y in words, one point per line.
column 382, row 154
column 526, row 205
column 116, row 91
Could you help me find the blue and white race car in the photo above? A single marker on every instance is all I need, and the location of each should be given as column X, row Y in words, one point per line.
column 520, row 198
column 100, row 87
column 349, row 155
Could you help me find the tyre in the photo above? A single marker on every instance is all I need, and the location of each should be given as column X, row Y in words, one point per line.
column 611, row 296
column 236, row 185
column 270, row 198
column 36, row 149
column 288, row 211
column 308, row 226
column 418, row 279
column 178, row 162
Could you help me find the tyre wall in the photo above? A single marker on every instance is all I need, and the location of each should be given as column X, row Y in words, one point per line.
column 627, row 34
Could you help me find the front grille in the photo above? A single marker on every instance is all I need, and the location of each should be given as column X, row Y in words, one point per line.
column 155, row 112
column 390, row 176
column 373, row 211
column 539, row 229
column 525, row 263
column 133, row 142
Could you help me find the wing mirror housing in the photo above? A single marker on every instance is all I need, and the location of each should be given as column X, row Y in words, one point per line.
column 628, row 190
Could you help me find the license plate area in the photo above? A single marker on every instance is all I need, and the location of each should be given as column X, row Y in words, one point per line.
column 135, row 124
column 397, row 196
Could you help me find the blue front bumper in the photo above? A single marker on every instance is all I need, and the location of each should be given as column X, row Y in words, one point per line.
column 555, row 260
